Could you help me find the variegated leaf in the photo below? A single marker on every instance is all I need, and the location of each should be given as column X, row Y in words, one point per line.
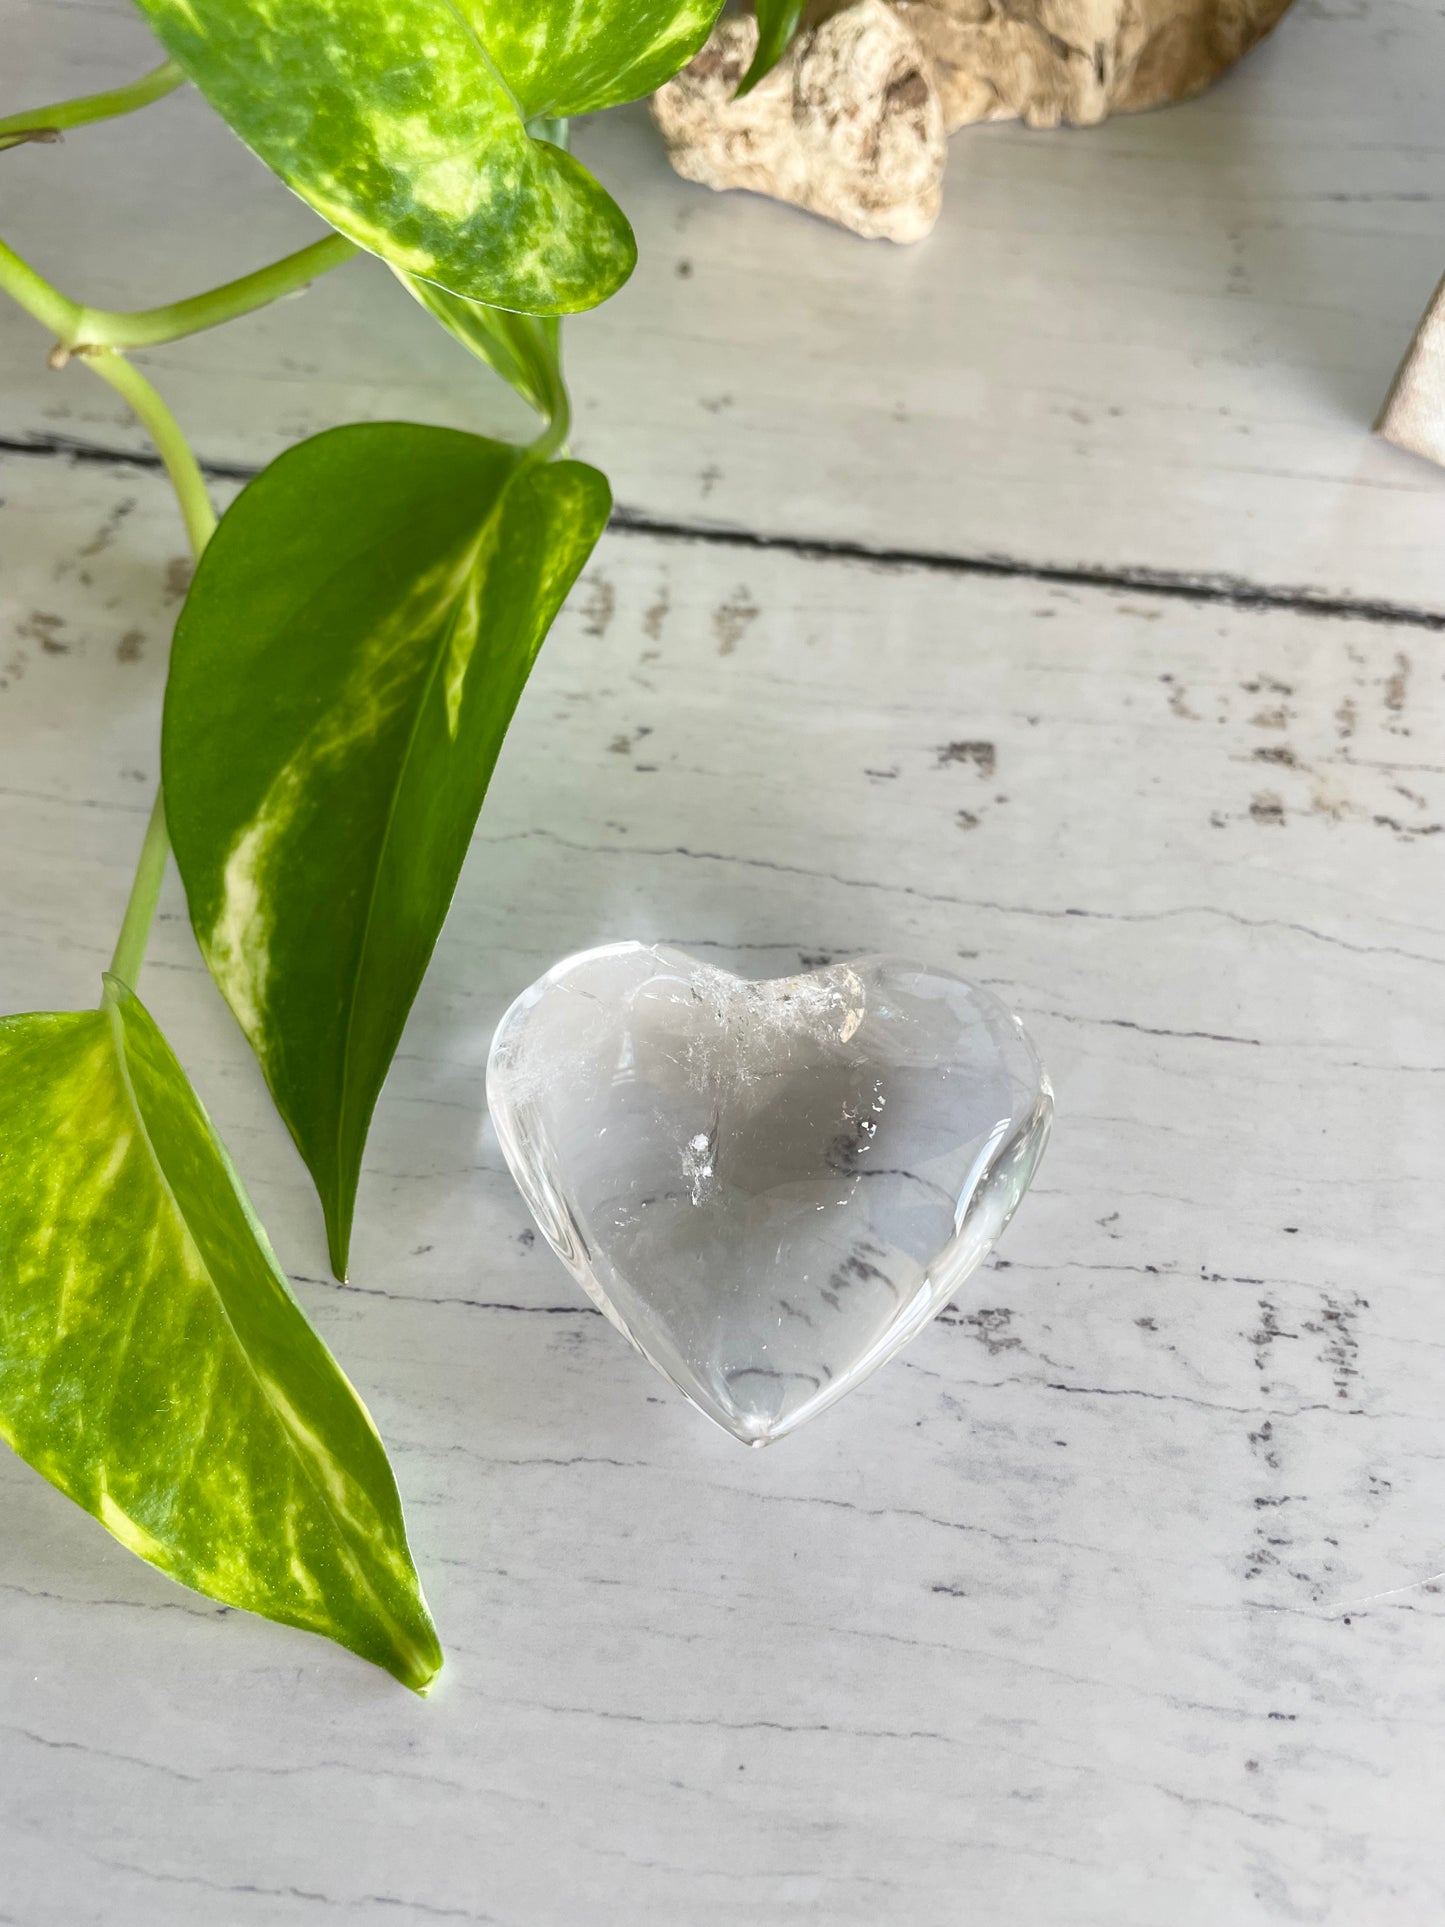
column 565, row 57
column 403, row 123
column 344, row 670
column 153, row 1363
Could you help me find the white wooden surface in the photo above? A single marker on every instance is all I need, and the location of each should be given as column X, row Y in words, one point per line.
column 1154, row 345
column 1112, row 1600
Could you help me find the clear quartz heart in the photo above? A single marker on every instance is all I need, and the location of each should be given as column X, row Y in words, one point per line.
column 767, row 1187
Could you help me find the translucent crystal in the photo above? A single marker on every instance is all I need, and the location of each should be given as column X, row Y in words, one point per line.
column 767, row 1187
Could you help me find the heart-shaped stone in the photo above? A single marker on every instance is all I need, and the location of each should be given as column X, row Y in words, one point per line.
column 767, row 1187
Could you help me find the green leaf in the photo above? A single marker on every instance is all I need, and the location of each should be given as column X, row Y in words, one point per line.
column 344, row 670
column 522, row 348
column 153, row 1363
column 777, row 24
column 403, row 123
column 565, row 57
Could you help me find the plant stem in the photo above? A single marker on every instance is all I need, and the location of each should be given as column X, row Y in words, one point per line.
column 554, row 436
column 35, row 295
column 46, row 123
column 171, row 444
column 140, row 909
column 80, row 330
column 200, row 520
column 148, row 327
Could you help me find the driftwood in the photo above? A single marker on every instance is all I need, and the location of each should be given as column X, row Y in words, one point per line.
column 1047, row 62
column 851, row 122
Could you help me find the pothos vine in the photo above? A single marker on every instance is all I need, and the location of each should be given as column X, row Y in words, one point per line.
column 358, row 632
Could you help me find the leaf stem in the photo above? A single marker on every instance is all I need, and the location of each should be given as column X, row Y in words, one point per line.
column 48, row 305
column 140, row 909
column 553, row 437
column 148, row 327
column 80, row 330
column 165, row 432
column 200, row 519
column 47, row 123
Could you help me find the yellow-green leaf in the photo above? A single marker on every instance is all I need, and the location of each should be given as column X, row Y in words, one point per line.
column 153, row 1362
column 564, row 57
column 403, row 123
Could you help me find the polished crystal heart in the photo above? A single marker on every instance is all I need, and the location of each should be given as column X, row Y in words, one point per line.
column 767, row 1187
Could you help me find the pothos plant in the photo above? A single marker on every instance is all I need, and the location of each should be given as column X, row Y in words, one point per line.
column 357, row 635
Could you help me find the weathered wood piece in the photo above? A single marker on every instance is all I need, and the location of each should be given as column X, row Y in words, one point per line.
column 850, row 122
column 1054, row 62
column 849, row 125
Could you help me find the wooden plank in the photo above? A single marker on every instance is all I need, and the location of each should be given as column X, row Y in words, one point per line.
column 1156, row 345
column 1061, row 1611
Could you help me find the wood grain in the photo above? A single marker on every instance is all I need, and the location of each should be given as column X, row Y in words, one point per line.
column 1111, row 1601
column 1116, row 1600
column 1155, row 346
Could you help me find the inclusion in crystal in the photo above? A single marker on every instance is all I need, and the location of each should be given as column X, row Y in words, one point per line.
column 767, row 1187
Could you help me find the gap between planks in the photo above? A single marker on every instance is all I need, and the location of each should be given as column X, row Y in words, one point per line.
column 1234, row 592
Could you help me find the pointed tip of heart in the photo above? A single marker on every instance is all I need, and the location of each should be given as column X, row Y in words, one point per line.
column 746, row 1432
column 752, row 1428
